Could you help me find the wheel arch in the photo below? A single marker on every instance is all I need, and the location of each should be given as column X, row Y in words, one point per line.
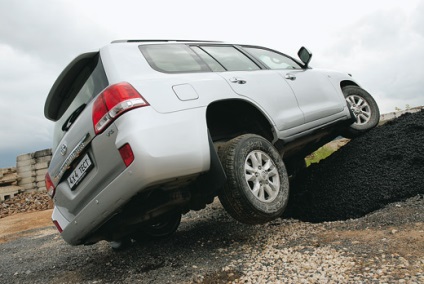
column 230, row 118
column 346, row 83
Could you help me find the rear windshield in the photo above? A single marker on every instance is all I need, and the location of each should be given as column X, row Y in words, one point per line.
column 90, row 81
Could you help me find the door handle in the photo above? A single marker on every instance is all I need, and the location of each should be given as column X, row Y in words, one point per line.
column 237, row 81
column 290, row 77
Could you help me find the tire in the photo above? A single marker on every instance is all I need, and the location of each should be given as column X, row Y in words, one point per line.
column 162, row 228
column 257, row 186
column 165, row 227
column 364, row 108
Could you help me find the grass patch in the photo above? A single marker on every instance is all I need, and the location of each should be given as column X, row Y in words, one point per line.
column 318, row 155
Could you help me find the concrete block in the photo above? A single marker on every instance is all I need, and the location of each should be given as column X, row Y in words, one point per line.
column 24, row 163
column 8, row 192
column 26, row 180
column 24, row 157
column 27, row 174
column 41, row 165
column 9, row 177
column 42, row 188
column 40, row 176
column 42, row 153
column 28, row 186
column 24, row 169
column 40, row 183
column 43, row 159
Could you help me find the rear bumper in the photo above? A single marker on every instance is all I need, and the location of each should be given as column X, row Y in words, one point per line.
column 165, row 146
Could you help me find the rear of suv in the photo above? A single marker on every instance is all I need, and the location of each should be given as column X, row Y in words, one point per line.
column 147, row 130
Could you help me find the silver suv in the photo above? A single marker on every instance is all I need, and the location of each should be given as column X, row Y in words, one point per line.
column 146, row 130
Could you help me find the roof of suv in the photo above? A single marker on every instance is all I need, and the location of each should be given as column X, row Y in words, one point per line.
column 164, row 40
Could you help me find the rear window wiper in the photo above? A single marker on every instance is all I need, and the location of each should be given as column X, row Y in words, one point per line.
column 71, row 119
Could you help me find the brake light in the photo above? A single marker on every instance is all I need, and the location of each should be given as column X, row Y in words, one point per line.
column 127, row 154
column 114, row 101
column 51, row 189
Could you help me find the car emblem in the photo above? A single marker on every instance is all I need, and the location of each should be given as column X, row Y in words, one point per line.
column 63, row 149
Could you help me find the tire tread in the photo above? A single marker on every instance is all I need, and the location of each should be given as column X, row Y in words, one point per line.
column 234, row 201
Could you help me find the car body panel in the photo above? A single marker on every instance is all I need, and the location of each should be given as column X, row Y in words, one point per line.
column 316, row 96
column 267, row 89
column 154, row 163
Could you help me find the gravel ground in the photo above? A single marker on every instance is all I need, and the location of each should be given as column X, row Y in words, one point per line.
column 384, row 246
column 210, row 247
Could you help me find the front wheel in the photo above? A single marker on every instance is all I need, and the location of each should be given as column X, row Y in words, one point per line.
column 363, row 107
column 257, row 186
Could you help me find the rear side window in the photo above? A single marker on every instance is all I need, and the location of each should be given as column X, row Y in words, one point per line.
column 212, row 63
column 231, row 58
column 173, row 58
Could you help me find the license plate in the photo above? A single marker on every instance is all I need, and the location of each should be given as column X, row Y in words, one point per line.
column 81, row 170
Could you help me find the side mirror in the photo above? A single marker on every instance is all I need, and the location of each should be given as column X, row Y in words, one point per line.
column 305, row 55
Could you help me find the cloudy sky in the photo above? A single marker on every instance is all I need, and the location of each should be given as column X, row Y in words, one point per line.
column 380, row 42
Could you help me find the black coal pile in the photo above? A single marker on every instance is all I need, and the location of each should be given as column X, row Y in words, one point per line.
column 383, row 166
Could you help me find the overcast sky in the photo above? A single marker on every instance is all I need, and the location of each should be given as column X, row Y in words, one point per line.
column 380, row 42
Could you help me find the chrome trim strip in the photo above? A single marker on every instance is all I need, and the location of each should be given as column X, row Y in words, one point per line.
column 72, row 156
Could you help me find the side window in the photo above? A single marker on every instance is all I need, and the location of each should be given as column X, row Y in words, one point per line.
column 231, row 58
column 271, row 59
column 172, row 58
column 211, row 62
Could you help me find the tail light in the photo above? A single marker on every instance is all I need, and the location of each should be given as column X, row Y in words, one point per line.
column 114, row 101
column 51, row 189
column 58, row 227
column 127, row 154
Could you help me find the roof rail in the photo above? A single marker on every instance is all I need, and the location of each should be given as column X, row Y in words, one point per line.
column 160, row 40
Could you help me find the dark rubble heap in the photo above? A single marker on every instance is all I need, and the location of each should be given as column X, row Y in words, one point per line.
column 383, row 166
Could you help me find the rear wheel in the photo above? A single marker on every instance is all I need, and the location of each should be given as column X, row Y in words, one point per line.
column 161, row 228
column 363, row 107
column 164, row 227
column 257, row 185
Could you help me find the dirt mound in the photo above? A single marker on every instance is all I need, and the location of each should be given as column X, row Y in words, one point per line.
column 383, row 166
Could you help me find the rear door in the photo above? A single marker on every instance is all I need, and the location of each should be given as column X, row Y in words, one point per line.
column 69, row 105
column 246, row 78
column 317, row 97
